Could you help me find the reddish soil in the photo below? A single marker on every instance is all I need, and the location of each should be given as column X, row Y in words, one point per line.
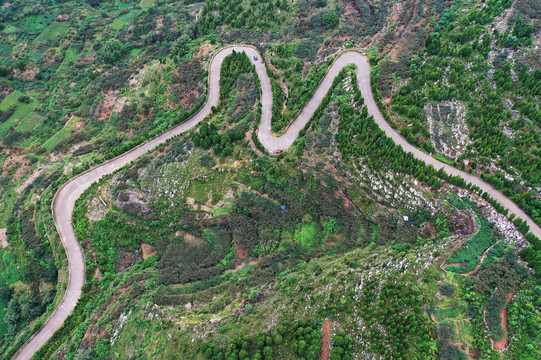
column 105, row 108
column 97, row 274
column 204, row 50
column 77, row 126
column 28, row 74
column 19, row 162
column 147, row 250
column 240, row 266
column 432, row 229
column 125, row 260
column 241, row 254
column 501, row 344
column 326, row 330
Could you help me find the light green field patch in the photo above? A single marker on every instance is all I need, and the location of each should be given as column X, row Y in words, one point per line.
column 123, row 5
column 128, row 18
column 88, row 51
column 30, row 122
column 443, row 159
column 494, row 254
column 306, row 234
column 53, row 33
column 36, row 23
column 361, row 233
column 71, row 58
column 135, row 52
column 62, row 134
column 122, row 20
column 201, row 189
column 147, row 3
column 117, row 24
column 22, row 110
column 222, row 210
column 10, row 29
column 9, row 270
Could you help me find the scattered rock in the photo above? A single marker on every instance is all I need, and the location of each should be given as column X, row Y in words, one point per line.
column 3, row 238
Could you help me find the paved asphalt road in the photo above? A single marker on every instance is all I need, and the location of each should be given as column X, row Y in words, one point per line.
column 64, row 200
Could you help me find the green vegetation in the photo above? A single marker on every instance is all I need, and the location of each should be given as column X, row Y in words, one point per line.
column 468, row 254
column 301, row 339
column 200, row 267
column 52, row 34
column 13, row 110
column 470, row 40
column 189, row 251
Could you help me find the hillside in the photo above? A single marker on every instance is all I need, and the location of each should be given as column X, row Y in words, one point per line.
column 208, row 247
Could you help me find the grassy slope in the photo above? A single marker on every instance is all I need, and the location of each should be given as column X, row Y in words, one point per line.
column 21, row 112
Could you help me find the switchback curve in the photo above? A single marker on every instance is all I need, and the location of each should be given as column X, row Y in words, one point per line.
column 64, row 200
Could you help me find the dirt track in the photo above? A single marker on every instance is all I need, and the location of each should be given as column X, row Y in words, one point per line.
column 64, row 200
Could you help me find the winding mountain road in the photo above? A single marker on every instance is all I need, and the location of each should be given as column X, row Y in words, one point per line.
column 64, row 200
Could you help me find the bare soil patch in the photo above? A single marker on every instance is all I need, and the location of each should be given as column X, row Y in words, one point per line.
column 125, row 259
column 241, row 254
column 28, row 74
column 147, row 251
column 326, row 330
column 21, row 164
column 204, row 50
column 240, row 266
column 105, row 108
column 189, row 239
column 501, row 344
column 119, row 104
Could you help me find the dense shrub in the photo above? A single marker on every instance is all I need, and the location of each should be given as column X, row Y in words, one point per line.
column 447, row 290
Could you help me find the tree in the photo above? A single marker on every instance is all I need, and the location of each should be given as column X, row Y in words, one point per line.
column 94, row 3
column 331, row 226
column 25, row 99
column 465, row 51
column 5, row 293
column 447, row 290
column 433, row 43
column 4, row 72
column 267, row 352
column 13, row 316
column 319, row 3
column 330, row 20
column 180, row 46
column 113, row 51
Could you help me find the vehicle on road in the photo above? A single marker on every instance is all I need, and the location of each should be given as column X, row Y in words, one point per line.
column 255, row 58
column 279, row 151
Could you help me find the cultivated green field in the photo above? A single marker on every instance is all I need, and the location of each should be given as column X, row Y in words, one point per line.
column 22, row 110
